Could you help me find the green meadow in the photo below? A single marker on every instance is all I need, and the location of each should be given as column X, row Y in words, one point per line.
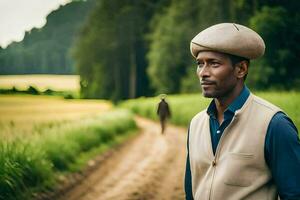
column 46, row 137
column 184, row 107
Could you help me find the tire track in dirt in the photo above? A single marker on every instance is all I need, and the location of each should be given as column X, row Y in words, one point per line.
column 149, row 167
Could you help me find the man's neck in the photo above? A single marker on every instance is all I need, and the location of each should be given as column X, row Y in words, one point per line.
column 222, row 103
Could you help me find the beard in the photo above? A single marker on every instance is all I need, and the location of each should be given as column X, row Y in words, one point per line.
column 215, row 91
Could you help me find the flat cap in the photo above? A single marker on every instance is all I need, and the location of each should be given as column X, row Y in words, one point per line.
column 234, row 39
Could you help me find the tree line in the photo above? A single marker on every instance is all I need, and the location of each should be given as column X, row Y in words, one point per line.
column 132, row 48
column 47, row 50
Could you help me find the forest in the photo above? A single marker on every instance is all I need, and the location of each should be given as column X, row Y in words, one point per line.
column 46, row 50
column 131, row 48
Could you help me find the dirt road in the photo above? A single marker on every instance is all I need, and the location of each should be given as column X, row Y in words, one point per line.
column 151, row 166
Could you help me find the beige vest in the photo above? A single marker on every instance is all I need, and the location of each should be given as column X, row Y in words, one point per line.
column 238, row 170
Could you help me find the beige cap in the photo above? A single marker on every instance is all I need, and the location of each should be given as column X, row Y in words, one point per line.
column 234, row 39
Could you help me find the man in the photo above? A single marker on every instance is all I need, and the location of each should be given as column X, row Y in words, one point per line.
column 241, row 146
column 163, row 111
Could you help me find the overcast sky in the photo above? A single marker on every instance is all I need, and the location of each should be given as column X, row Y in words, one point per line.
column 18, row 16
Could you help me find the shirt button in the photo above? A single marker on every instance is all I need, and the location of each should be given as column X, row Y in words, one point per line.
column 218, row 131
column 214, row 163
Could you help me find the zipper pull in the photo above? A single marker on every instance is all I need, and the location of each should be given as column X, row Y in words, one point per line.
column 214, row 163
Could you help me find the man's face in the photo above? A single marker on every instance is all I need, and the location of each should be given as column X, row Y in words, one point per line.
column 216, row 74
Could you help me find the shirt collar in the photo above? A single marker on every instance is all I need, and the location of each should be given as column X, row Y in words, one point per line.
column 234, row 106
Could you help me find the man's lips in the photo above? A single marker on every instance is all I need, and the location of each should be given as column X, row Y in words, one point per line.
column 207, row 83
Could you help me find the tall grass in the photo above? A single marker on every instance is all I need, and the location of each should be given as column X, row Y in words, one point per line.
column 84, row 136
column 31, row 164
column 184, row 107
column 23, row 166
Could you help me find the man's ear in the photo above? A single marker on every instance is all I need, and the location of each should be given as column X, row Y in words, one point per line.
column 241, row 69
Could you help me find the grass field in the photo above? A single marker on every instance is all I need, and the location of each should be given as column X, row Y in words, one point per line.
column 184, row 107
column 41, row 82
column 26, row 114
column 43, row 137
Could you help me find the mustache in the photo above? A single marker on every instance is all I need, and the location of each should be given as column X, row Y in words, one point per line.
column 207, row 82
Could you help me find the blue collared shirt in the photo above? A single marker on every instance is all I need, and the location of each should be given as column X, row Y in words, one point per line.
column 282, row 148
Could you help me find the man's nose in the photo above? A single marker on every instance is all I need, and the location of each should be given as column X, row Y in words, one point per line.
column 203, row 71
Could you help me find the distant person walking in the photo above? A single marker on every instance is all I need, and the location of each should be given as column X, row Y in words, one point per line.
column 164, row 112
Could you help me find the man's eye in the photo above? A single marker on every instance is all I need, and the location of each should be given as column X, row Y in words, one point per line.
column 215, row 64
column 200, row 64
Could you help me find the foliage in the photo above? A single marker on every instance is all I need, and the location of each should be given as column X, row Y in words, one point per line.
column 33, row 91
column 47, row 49
column 280, row 30
column 23, row 166
column 189, row 82
column 170, row 35
column 172, row 31
column 32, row 163
column 110, row 54
column 277, row 22
column 62, row 149
column 52, row 85
column 133, row 48
column 180, row 105
column 170, row 63
column 184, row 107
column 42, row 82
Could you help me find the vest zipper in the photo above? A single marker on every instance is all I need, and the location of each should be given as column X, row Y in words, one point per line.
column 212, row 180
column 214, row 163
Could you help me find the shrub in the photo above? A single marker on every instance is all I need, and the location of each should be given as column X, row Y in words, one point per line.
column 68, row 96
column 32, row 90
